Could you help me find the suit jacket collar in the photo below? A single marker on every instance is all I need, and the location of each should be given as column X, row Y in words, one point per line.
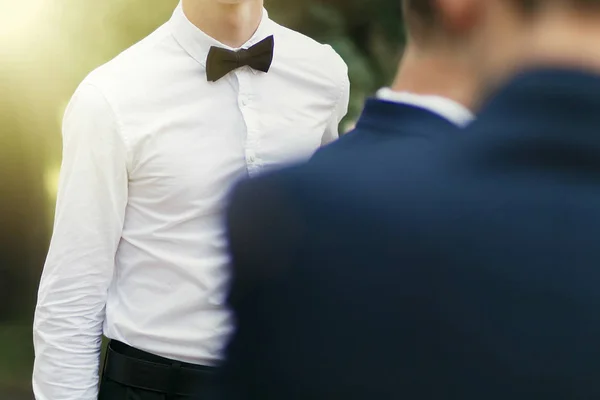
column 396, row 118
column 445, row 107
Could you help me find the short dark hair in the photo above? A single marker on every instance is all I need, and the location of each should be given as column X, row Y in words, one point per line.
column 534, row 5
column 420, row 16
column 423, row 9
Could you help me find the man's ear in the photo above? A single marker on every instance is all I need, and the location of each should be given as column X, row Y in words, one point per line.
column 460, row 16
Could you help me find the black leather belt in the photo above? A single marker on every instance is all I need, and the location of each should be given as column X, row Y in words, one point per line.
column 156, row 373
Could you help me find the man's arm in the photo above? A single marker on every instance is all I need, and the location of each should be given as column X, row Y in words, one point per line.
column 264, row 232
column 89, row 217
column 332, row 131
column 264, row 227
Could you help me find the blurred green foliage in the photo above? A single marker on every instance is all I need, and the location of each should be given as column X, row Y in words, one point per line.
column 367, row 34
column 16, row 351
column 49, row 47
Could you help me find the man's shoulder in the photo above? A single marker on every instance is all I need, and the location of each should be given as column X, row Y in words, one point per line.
column 373, row 170
column 307, row 46
column 309, row 54
column 370, row 179
column 398, row 137
column 133, row 67
column 352, row 145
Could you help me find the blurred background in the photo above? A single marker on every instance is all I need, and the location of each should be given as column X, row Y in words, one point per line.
column 46, row 48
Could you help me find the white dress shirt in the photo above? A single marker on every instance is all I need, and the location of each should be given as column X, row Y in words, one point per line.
column 151, row 150
column 442, row 106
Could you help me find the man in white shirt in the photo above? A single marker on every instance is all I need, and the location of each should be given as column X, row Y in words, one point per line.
column 153, row 142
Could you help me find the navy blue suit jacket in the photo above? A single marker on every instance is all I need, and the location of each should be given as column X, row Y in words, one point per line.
column 470, row 271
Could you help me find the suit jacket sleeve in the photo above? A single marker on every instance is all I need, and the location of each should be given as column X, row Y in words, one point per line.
column 265, row 230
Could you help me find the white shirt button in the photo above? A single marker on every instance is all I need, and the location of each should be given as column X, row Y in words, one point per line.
column 250, row 156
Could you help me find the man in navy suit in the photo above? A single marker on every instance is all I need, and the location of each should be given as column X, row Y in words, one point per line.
column 470, row 271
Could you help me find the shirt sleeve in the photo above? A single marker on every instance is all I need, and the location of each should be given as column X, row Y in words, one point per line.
column 341, row 107
column 90, row 210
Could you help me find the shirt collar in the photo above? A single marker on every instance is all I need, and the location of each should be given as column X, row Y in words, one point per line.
column 197, row 43
column 442, row 106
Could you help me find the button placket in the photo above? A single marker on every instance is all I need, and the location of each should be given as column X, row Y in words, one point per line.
column 245, row 89
column 250, row 156
column 250, row 118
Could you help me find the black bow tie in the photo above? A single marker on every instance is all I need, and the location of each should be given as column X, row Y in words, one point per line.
column 221, row 61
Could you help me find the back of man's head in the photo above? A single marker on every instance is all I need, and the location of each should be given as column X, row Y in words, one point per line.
column 534, row 5
column 436, row 61
column 513, row 34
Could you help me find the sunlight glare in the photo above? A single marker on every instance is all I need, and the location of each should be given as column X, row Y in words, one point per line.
column 51, row 178
column 21, row 20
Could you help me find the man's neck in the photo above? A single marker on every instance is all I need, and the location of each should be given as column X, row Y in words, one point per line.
column 426, row 73
column 232, row 24
column 564, row 40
